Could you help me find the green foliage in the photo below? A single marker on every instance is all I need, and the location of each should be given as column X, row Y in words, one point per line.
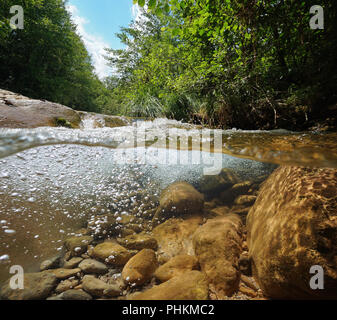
column 239, row 59
column 47, row 59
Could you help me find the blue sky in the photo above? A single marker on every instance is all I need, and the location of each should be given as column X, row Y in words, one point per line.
column 97, row 22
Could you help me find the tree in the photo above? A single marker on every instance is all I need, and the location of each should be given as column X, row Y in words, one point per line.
column 47, row 59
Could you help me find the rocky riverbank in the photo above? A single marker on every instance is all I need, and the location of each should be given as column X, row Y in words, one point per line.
column 17, row 111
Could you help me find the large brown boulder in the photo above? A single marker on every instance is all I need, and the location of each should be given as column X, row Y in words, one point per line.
column 138, row 242
column 17, row 111
column 210, row 185
column 292, row 227
column 191, row 285
column 217, row 246
column 112, row 253
column 176, row 266
column 174, row 237
column 140, row 268
column 179, row 198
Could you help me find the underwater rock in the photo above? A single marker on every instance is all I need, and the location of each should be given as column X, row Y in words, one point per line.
column 292, row 227
column 245, row 265
column 191, row 285
column 217, row 246
column 99, row 288
column 176, row 266
column 140, row 268
column 17, row 111
column 37, row 286
column 179, row 198
column 66, row 285
column 73, row 294
column 72, row 263
column 210, row 185
column 51, row 263
column 78, row 245
column 138, row 242
column 174, row 237
column 228, row 196
column 62, row 273
column 93, row 266
column 112, row 253
column 245, row 200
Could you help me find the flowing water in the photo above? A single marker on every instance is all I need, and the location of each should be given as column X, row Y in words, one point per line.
column 53, row 180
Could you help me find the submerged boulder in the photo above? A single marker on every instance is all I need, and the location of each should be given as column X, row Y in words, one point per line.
column 78, row 245
column 50, row 263
column 37, row 286
column 179, row 198
column 228, row 196
column 112, row 253
column 210, row 185
column 93, row 266
column 174, row 237
column 176, row 266
column 99, row 288
column 191, row 285
column 140, row 268
column 138, row 242
column 292, row 227
column 217, row 245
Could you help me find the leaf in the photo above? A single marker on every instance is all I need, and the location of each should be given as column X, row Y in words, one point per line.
column 152, row 4
column 141, row 3
column 167, row 8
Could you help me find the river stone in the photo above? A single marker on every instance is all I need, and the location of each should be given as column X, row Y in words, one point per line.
column 217, row 245
column 245, row 200
column 179, row 198
column 72, row 263
column 78, row 245
column 37, row 286
column 75, row 295
column 51, row 263
column 228, row 196
column 66, row 285
column 93, row 266
column 291, row 227
column 212, row 184
column 138, row 242
column 174, row 237
column 63, row 273
column 99, row 288
column 140, row 268
column 17, row 111
column 191, row 285
column 112, row 253
column 176, row 266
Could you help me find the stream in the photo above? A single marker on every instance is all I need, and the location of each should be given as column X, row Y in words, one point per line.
column 52, row 180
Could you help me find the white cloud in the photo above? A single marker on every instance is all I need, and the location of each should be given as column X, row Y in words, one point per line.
column 94, row 44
